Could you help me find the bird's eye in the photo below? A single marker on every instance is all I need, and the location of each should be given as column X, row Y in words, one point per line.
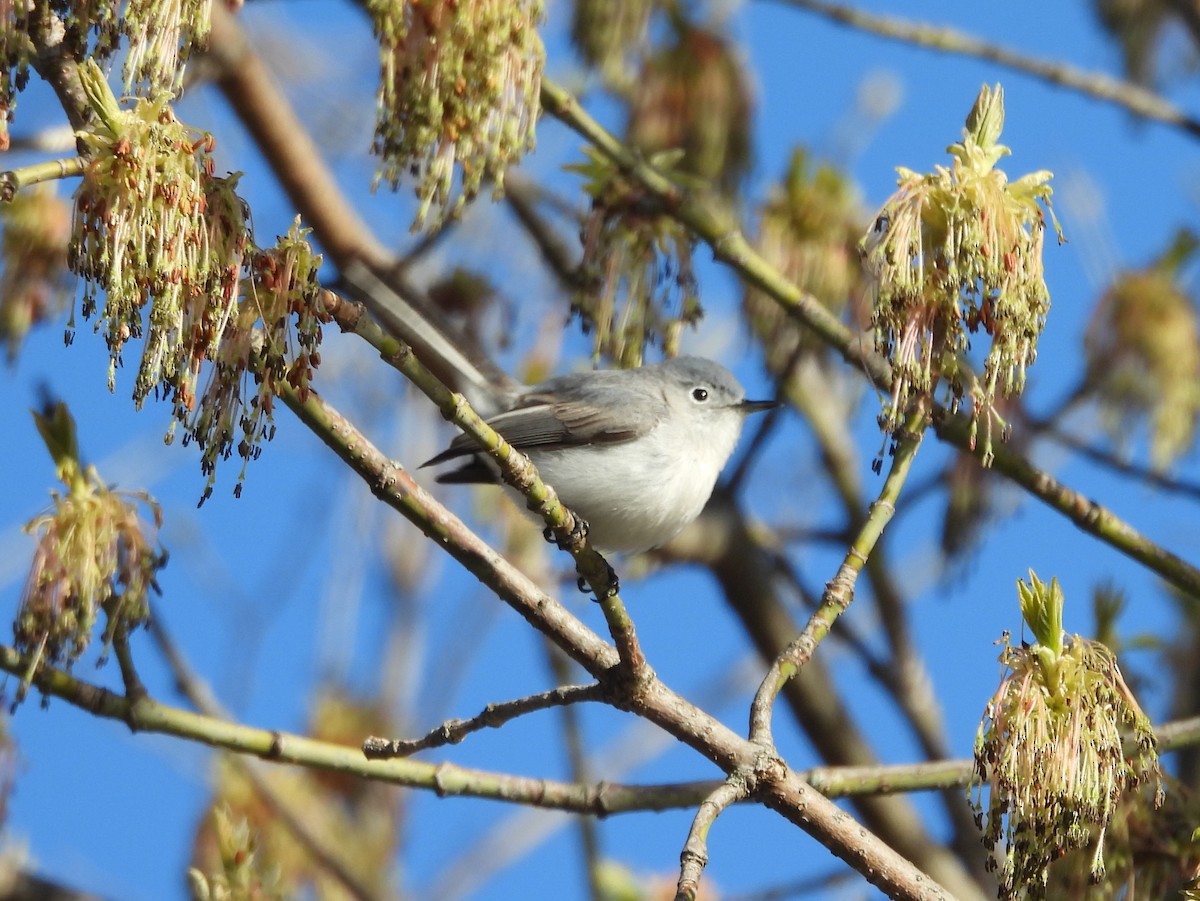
column 700, row 394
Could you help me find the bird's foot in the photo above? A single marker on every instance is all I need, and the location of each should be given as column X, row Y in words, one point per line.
column 578, row 533
column 613, row 585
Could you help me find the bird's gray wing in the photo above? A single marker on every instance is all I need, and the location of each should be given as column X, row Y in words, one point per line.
column 543, row 421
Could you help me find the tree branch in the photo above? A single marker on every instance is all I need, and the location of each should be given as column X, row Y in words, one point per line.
column 299, row 824
column 709, row 222
column 445, row 779
column 493, row 716
column 694, row 857
column 780, row 788
column 840, row 590
column 1132, row 97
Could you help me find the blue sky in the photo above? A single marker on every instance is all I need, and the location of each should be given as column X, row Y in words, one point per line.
column 276, row 592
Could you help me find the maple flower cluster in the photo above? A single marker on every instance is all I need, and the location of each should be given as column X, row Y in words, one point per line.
column 459, row 92
column 694, row 96
column 143, row 233
column 1143, row 354
column 165, row 252
column 273, row 339
column 34, row 284
column 638, row 286
column 808, row 232
column 608, row 32
column 955, row 253
column 1062, row 741
column 95, row 552
column 161, row 35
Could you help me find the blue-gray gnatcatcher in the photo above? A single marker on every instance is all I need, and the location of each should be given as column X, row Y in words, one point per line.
column 634, row 452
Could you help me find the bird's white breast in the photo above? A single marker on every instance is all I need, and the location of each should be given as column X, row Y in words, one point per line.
column 638, row 494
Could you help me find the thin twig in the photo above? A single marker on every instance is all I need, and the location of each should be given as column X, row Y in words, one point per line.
column 905, row 676
column 840, row 590
column 741, row 560
column 694, row 857
column 149, row 715
column 492, row 716
column 1133, row 97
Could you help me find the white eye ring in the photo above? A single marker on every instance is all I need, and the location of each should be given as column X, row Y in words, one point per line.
column 700, row 394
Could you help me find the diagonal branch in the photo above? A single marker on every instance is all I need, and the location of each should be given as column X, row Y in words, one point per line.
column 1133, row 97
column 840, row 590
column 515, row 467
column 396, row 487
column 780, row 788
column 711, row 223
column 1111, row 461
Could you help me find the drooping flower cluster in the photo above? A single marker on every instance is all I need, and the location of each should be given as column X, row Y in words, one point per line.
column 808, row 232
column 635, row 251
column 954, row 253
column 142, row 234
column 1143, row 352
column 1151, row 851
column 271, row 339
column 161, row 35
column 694, row 96
column 164, row 248
column 459, row 92
column 33, row 262
column 608, row 33
column 96, row 552
column 1062, row 741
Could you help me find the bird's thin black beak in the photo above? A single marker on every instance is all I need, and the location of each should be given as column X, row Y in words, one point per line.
column 757, row 406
